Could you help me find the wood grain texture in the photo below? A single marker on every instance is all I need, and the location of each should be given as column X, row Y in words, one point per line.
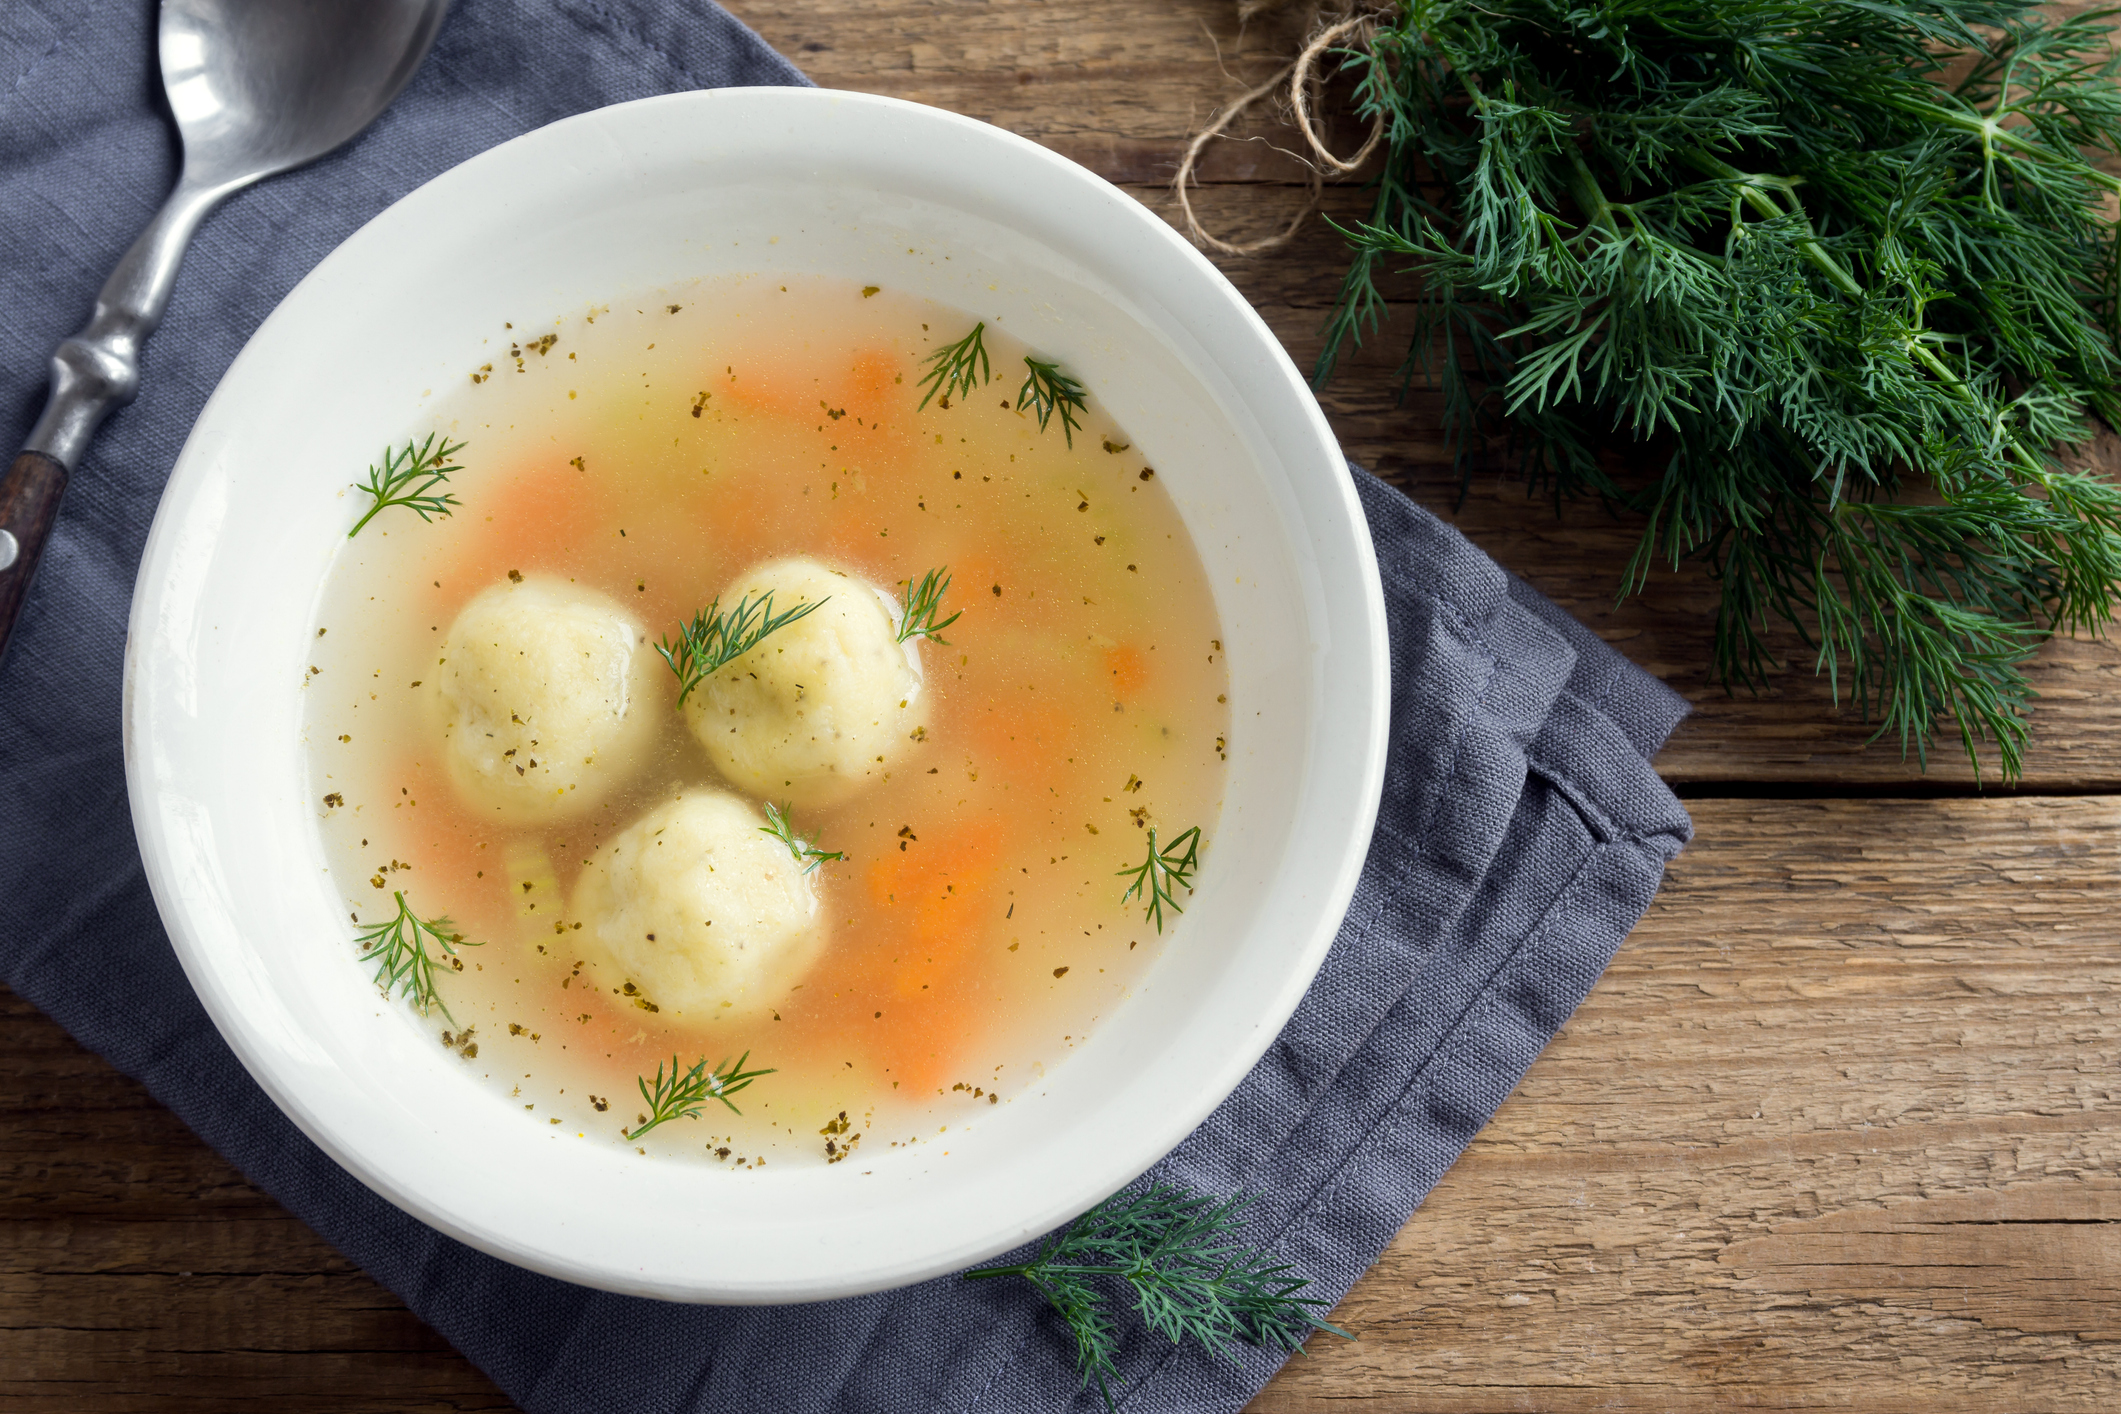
column 1838, row 1129
column 139, row 1271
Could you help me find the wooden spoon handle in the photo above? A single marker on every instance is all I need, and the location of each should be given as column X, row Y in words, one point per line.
column 29, row 503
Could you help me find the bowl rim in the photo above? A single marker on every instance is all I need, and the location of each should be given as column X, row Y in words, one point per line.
column 1268, row 368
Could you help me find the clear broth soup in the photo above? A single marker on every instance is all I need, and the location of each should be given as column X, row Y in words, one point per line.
column 974, row 931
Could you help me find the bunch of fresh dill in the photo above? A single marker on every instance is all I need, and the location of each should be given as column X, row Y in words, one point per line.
column 1836, row 274
column 1183, row 1262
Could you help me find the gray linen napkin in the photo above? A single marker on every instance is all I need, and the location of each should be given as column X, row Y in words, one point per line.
column 1522, row 834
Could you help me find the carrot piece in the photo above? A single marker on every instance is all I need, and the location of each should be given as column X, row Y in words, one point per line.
column 923, row 926
column 872, row 376
column 1027, row 742
column 1127, row 670
column 445, row 844
column 527, row 516
column 846, row 398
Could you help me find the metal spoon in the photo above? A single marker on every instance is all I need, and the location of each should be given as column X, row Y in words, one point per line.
column 257, row 87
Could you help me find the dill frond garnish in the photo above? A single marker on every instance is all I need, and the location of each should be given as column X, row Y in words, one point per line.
column 400, row 949
column 958, row 368
column 685, row 1093
column 782, row 827
column 1046, row 391
column 1166, row 868
column 1189, row 1273
column 714, row 639
column 919, row 606
column 1840, row 276
column 393, row 483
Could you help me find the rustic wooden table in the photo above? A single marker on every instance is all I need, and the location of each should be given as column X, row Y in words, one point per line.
column 1837, row 1129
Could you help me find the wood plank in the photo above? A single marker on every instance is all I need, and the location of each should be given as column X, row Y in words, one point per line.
column 1121, row 87
column 138, row 1270
column 1096, row 68
column 1838, row 1128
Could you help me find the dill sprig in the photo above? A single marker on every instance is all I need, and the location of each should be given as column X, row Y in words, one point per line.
column 393, row 483
column 400, row 948
column 1841, row 275
column 687, row 1092
column 920, row 604
column 781, row 826
column 1046, row 391
column 958, row 368
column 1165, row 869
column 1187, row 1269
column 714, row 639
column 962, row 367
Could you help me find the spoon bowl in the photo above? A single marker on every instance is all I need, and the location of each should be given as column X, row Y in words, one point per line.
column 259, row 86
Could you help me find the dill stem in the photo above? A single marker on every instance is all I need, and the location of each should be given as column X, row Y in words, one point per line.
column 1583, row 185
column 1944, row 374
column 1753, row 188
column 372, row 513
column 1991, row 131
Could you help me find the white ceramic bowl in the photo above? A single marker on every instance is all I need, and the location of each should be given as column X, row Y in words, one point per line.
column 649, row 195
